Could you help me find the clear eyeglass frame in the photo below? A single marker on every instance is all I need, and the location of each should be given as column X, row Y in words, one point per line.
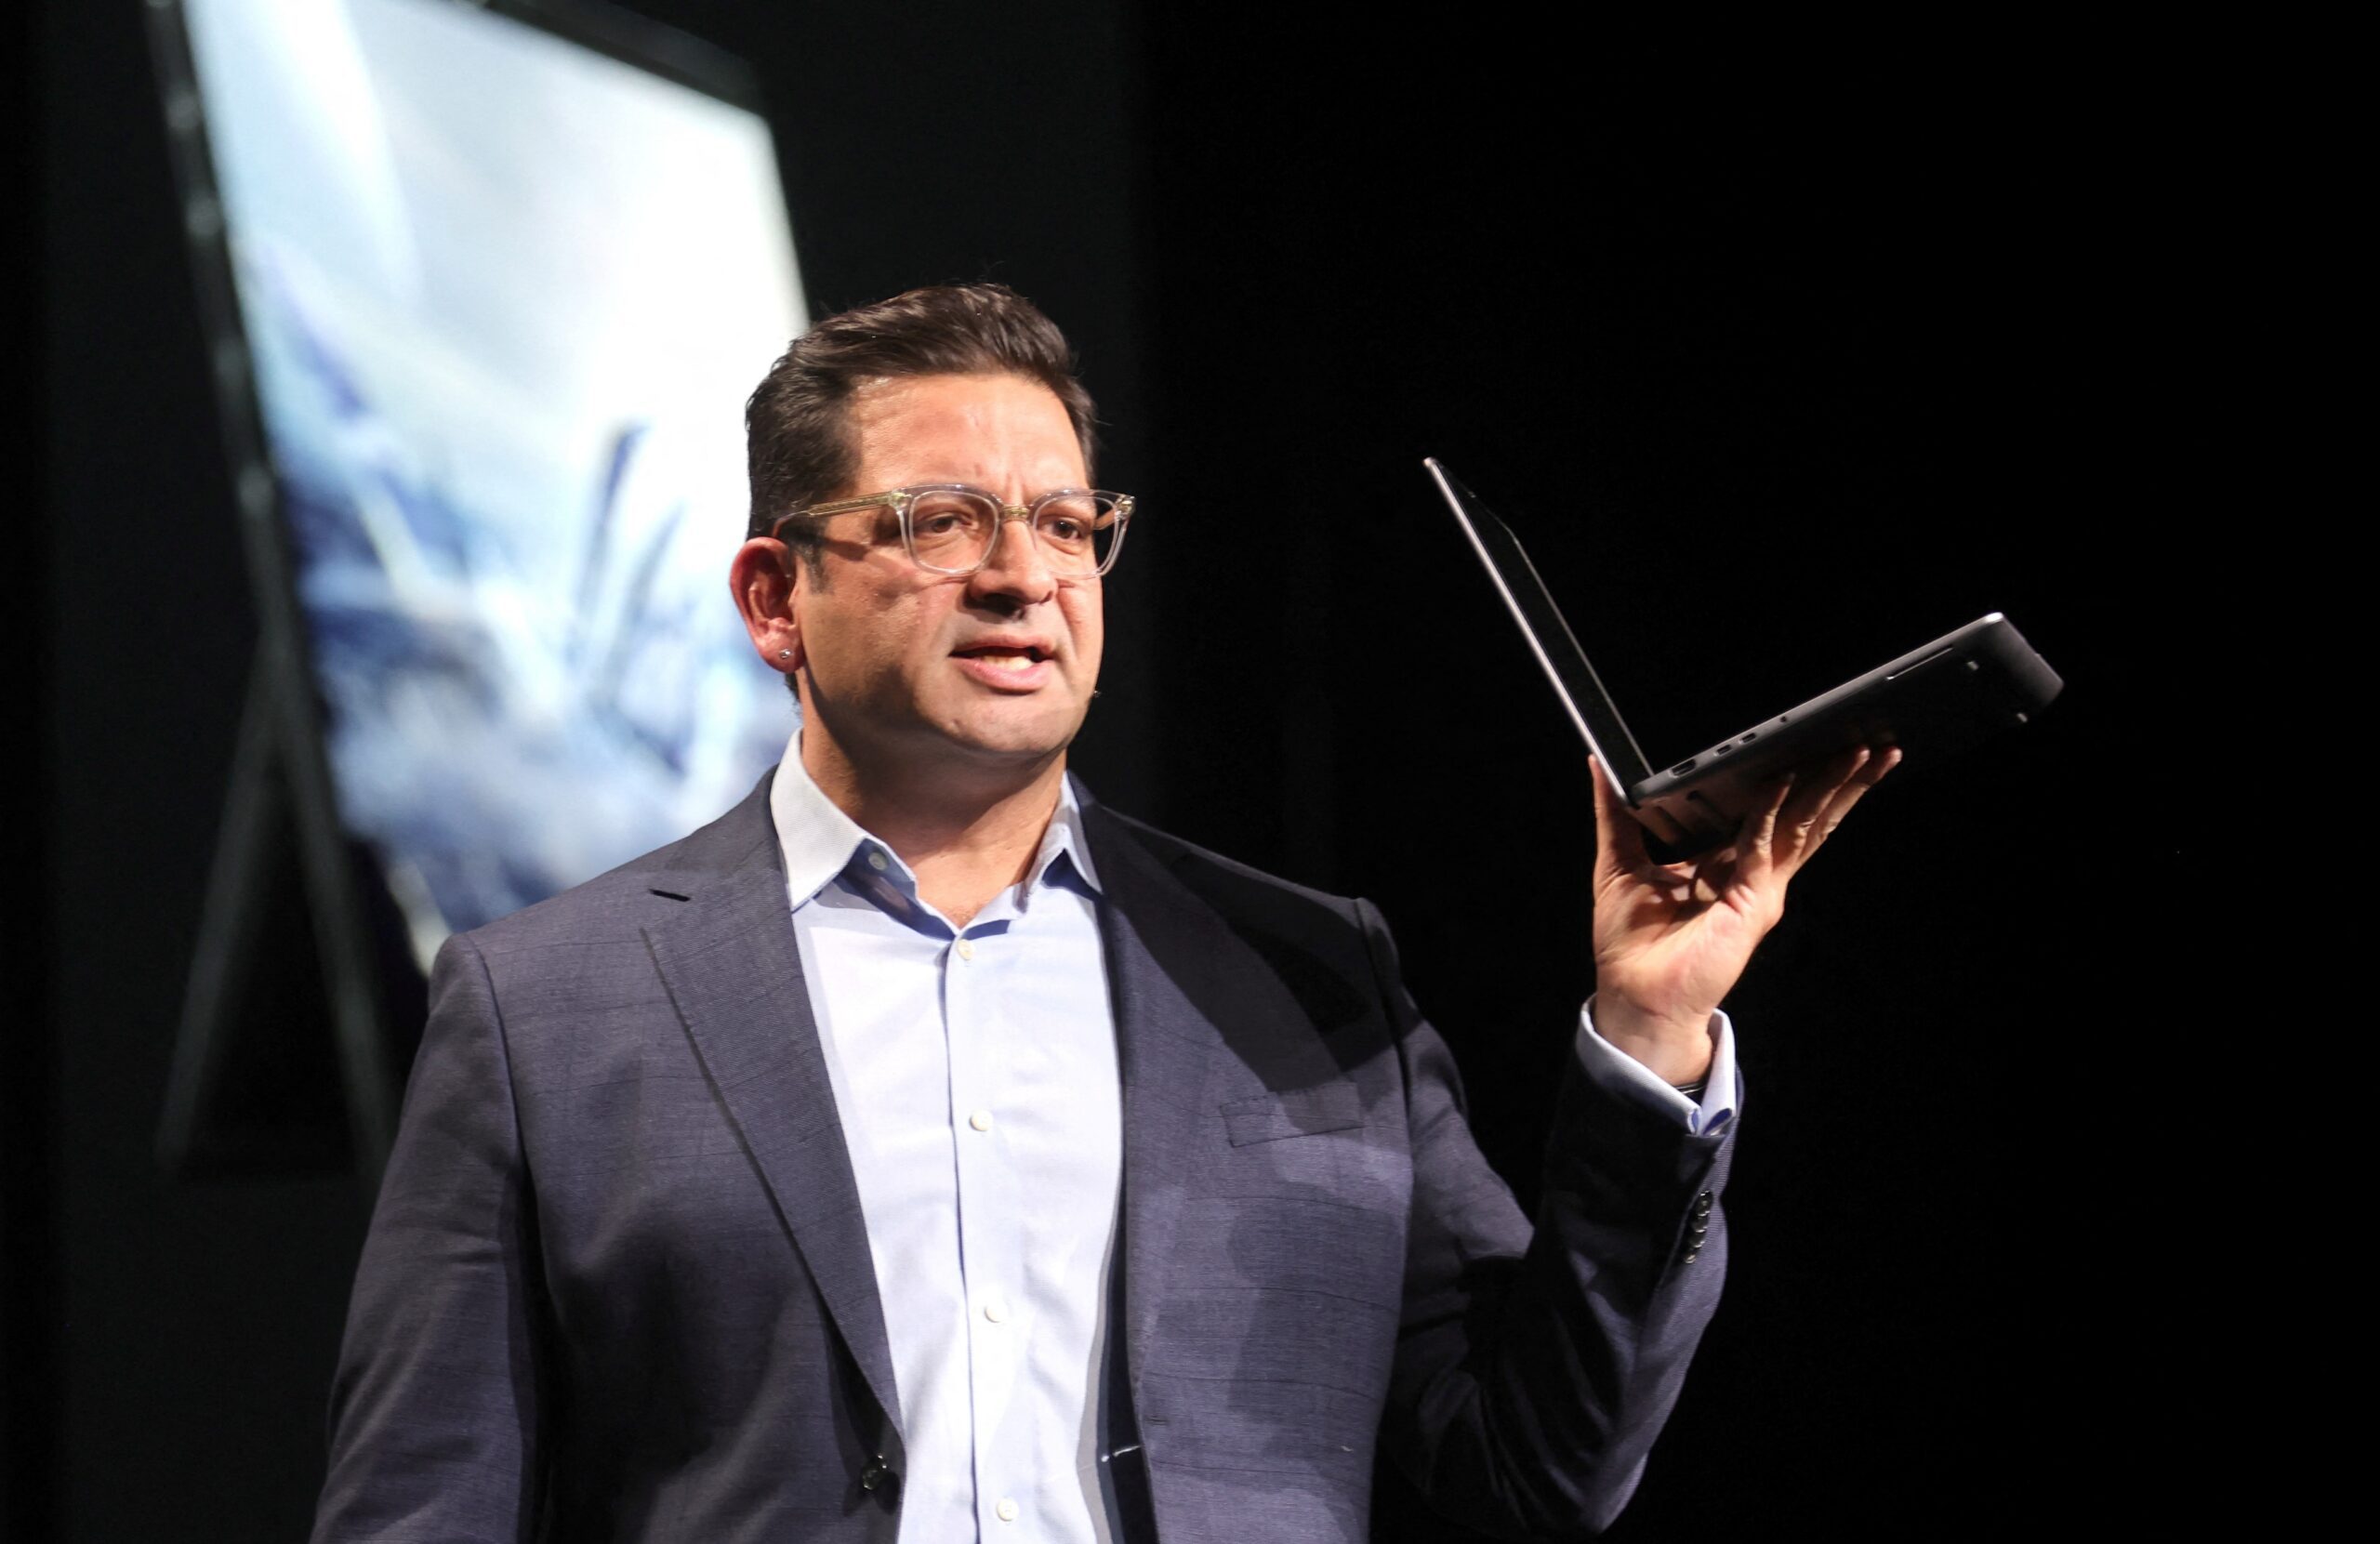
column 902, row 501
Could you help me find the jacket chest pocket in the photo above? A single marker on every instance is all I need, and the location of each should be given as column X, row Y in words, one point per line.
column 1315, row 1143
column 1313, row 1112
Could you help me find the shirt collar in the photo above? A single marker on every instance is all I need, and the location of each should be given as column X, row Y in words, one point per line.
column 819, row 841
column 1067, row 836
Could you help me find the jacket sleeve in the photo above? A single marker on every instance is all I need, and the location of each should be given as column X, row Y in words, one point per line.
column 1535, row 1366
column 434, row 1412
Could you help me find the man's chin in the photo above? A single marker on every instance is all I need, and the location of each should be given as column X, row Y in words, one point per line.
column 1014, row 734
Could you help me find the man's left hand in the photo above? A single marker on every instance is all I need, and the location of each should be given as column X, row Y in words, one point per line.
column 1672, row 939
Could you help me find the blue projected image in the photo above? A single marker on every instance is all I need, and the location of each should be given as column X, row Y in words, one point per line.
column 503, row 297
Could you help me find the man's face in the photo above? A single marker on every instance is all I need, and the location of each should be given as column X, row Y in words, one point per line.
column 996, row 666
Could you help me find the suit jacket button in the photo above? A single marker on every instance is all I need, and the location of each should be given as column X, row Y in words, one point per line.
column 877, row 1474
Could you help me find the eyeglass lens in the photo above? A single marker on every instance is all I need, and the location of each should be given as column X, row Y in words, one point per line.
column 954, row 531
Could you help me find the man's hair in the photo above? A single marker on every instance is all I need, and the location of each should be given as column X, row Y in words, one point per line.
column 799, row 447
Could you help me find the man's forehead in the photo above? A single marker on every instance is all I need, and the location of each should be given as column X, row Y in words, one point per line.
column 963, row 429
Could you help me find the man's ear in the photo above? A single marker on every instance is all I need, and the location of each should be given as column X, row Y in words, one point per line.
column 766, row 576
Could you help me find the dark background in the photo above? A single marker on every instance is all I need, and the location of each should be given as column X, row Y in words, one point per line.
column 1786, row 351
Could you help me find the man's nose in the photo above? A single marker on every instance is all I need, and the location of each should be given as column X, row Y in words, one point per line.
column 1018, row 565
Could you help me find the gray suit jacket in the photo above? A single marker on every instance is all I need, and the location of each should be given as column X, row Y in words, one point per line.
column 617, row 1285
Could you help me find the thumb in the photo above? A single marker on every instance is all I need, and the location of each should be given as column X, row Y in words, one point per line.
column 1619, row 841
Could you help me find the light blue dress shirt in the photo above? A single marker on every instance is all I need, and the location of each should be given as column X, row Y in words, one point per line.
column 974, row 1073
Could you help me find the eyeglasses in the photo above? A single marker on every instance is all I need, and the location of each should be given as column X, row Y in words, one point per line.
column 951, row 527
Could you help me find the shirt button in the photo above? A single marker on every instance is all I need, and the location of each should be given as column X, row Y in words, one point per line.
column 966, row 949
column 1005, row 1509
column 996, row 1311
column 980, row 1120
column 875, row 862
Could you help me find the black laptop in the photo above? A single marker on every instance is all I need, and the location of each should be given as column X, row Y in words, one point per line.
column 1935, row 700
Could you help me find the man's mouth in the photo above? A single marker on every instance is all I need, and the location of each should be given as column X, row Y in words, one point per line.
column 1005, row 657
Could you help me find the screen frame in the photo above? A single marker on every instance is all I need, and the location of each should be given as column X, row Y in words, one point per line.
column 375, row 992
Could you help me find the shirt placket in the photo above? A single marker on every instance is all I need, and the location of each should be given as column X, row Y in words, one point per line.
column 990, row 1251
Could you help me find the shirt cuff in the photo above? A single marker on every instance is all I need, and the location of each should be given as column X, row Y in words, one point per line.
column 1617, row 1071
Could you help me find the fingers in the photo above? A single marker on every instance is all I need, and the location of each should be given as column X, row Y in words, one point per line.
column 1619, row 841
column 1755, row 843
column 1794, row 816
column 1803, row 813
column 1856, row 789
column 1823, row 800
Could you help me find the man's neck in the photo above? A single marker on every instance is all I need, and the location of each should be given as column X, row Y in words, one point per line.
column 967, row 835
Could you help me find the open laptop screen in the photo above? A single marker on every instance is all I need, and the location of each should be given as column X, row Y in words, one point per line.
column 1549, row 636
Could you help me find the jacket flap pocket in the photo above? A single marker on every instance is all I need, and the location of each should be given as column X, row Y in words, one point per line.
column 1296, row 1113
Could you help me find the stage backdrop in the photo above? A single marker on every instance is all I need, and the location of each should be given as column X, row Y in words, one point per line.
column 1790, row 351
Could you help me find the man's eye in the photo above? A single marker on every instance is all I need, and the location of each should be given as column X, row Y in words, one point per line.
column 1069, row 523
column 945, row 518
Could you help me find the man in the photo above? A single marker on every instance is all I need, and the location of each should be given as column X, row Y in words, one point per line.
column 923, row 1150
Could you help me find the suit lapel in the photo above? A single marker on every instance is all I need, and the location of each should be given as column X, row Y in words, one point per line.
column 1198, row 1011
column 729, row 961
column 1167, row 1047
